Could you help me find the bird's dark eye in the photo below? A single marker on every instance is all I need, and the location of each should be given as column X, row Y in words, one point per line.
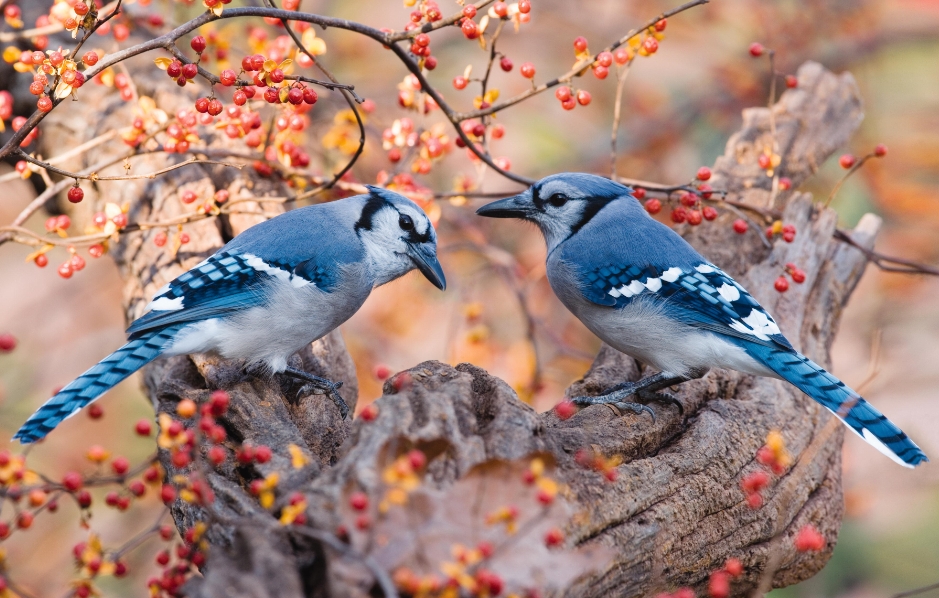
column 405, row 222
column 557, row 200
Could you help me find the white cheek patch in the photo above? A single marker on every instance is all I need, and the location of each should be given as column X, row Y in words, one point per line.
column 279, row 273
column 672, row 274
column 165, row 304
column 729, row 292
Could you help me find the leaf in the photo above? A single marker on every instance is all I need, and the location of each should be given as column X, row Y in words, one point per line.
column 297, row 457
column 269, row 65
column 162, row 62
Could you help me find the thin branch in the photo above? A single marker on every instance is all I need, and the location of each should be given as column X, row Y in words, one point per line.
column 885, row 262
column 95, row 177
column 915, row 591
column 617, row 109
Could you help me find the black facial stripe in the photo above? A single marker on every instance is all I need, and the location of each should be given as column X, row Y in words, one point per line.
column 371, row 207
column 591, row 208
column 536, row 198
column 416, row 237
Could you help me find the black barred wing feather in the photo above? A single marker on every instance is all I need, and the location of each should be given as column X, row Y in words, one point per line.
column 701, row 295
column 225, row 282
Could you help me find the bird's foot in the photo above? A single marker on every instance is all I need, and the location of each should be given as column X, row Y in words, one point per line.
column 649, row 389
column 317, row 385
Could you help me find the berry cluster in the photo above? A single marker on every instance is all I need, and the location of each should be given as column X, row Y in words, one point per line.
column 775, row 459
column 797, row 275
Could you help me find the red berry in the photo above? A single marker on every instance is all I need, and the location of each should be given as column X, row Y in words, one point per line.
column 215, row 107
column 95, row 411
column 228, row 77
column 37, row 88
column 167, row 493
column 190, row 71
column 197, row 44
column 798, row 276
column 880, row 150
column 24, row 519
column 605, row 59
column 785, row 183
column 650, row 45
column 202, row 105
column 847, row 161
column 309, row 96
column 505, row 64
column 174, row 69
column 756, row 49
column 580, row 44
column 7, row 343
column 277, row 75
column 679, row 215
column 688, row 199
column 83, row 497
column 764, row 161
column 430, row 63
column 563, row 93
column 583, row 97
column 719, row 585
column 75, row 194
column 781, row 284
column 44, row 104
column 706, row 191
column 41, row 260
column 792, row 81
column 65, row 270
column 469, row 11
column 188, row 196
column 733, row 567
column 240, row 98
column 120, row 465
column 704, row 173
column 527, row 70
column 422, row 40
column 565, row 410
column 740, row 226
column 600, row 72
column 709, row 213
column 417, row 459
column 661, row 24
column 694, row 217
column 501, row 9
column 262, row 454
column 90, row 58
column 809, row 539
column 553, row 538
column 72, row 481
column 524, row 6
column 653, row 206
column 621, row 56
column 470, row 29
column 639, row 193
column 143, row 427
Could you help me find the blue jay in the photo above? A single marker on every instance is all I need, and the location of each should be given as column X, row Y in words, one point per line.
column 646, row 292
column 272, row 290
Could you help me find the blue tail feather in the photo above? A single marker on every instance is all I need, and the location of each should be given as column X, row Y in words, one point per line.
column 92, row 384
column 859, row 415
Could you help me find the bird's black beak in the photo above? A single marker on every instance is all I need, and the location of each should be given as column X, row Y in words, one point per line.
column 424, row 257
column 517, row 206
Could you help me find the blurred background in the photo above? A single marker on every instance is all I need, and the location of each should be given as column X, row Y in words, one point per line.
column 679, row 107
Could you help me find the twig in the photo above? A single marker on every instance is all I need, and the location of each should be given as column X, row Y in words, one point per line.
column 617, row 109
column 915, row 591
column 885, row 262
column 95, row 177
column 852, row 170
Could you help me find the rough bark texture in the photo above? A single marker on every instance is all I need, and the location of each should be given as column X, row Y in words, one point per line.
column 675, row 511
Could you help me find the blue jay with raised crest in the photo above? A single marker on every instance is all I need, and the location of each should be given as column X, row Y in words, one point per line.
column 642, row 289
column 272, row 290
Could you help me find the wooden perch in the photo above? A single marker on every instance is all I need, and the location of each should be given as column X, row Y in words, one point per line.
column 675, row 511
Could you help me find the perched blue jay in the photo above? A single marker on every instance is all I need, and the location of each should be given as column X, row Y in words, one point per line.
column 272, row 290
column 640, row 287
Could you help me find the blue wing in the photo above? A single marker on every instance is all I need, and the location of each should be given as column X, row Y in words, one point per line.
column 227, row 281
column 700, row 295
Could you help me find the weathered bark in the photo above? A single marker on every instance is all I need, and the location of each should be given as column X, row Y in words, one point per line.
column 675, row 511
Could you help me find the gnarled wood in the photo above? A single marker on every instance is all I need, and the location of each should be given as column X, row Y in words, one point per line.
column 675, row 511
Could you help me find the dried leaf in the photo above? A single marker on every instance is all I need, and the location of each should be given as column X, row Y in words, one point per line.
column 162, row 62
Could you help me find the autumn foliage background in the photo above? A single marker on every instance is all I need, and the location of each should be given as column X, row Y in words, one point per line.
column 679, row 107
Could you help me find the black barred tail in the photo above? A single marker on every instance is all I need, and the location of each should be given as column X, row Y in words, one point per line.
column 93, row 383
column 851, row 408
